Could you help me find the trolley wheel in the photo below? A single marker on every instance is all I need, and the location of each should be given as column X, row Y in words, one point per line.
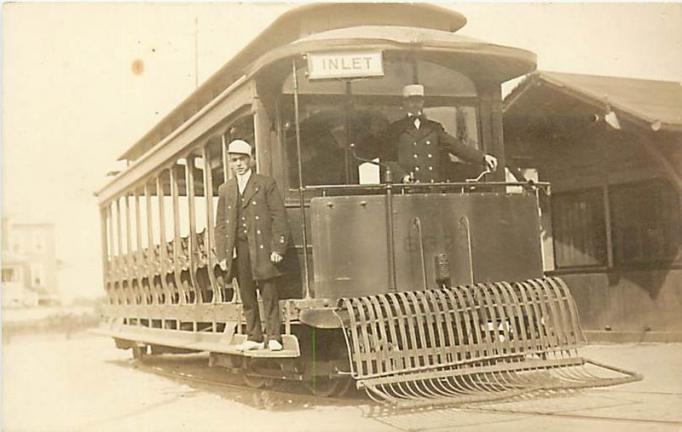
column 257, row 382
column 250, row 368
column 329, row 387
column 140, row 351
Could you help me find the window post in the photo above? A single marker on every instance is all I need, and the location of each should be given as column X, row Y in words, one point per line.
column 607, row 226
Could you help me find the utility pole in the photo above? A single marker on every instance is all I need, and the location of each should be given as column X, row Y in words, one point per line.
column 196, row 52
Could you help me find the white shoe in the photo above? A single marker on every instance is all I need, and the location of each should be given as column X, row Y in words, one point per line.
column 274, row 345
column 250, row 345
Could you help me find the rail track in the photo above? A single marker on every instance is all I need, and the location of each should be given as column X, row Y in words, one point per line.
column 191, row 369
column 581, row 406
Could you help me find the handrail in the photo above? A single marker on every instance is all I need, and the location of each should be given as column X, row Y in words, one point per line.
column 530, row 185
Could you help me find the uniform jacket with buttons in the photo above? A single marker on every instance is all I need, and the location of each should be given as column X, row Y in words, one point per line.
column 262, row 214
column 423, row 151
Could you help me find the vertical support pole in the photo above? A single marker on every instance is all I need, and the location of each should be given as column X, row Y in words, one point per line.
column 130, row 256
column 210, row 235
column 606, row 203
column 163, row 242
column 390, row 238
column 607, row 225
column 139, row 251
column 301, row 194
column 121, row 258
column 177, row 240
column 261, row 127
column 151, row 255
column 490, row 113
column 279, row 171
column 465, row 231
column 226, row 160
column 193, row 243
column 348, row 106
column 114, row 269
column 106, row 256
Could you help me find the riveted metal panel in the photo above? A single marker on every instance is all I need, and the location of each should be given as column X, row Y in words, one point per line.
column 349, row 245
column 480, row 237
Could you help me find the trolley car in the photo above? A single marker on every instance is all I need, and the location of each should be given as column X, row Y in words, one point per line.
column 418, row 293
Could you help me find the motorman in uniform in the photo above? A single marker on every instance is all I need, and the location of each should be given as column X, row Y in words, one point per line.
column 251, row 238
column 415, row 148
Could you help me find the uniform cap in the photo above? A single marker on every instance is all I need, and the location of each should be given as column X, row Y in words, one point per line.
column 413, row 90
column 239, row 147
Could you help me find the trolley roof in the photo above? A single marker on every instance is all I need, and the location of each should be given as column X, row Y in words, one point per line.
column 482, row 60
column 292, row 25
column 321, row 26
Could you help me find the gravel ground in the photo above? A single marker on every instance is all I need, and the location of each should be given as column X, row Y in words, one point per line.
column 82, row 383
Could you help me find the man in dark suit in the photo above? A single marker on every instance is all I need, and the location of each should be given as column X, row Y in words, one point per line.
column 251, row 237
column 416, row 148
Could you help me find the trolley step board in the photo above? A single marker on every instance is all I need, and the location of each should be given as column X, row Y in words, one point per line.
column 469, row 344
column 227, row 342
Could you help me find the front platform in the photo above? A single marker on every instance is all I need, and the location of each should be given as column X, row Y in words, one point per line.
column 226, row 342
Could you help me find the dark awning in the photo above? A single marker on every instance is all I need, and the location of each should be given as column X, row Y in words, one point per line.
column 656, row 105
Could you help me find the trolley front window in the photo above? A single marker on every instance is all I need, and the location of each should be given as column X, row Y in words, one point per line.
column 328, row 129
column 335, row 114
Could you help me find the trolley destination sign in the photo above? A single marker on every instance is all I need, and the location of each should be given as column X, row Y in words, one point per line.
column 345, row 64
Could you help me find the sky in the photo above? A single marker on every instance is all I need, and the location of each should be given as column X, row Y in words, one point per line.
column 82, row 82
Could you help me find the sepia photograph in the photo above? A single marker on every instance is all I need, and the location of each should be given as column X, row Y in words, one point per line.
column 222, row 216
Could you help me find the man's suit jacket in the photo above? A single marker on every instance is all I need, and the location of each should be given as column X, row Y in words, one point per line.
column 262, row 210
column 423, row 151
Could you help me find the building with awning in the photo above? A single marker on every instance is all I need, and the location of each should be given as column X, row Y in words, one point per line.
column 612, row 149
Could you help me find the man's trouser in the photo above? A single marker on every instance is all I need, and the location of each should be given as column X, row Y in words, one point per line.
column 247, row 291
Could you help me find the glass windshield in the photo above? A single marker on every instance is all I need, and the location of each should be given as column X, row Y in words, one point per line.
column 338, row 120
column 329, row 127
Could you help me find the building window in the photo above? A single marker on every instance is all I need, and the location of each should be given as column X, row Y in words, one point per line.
column 645, row 223
column 38, row 242
column 16, row 239
column 9, row 275
column 37, row 276
column 579, row 229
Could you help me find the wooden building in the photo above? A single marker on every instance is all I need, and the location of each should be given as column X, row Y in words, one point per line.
column 612, row 149
column 29, row 264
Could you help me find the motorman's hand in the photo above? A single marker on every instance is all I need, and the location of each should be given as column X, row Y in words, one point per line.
column 276, row 258
column 223, row 265
column 490, row 162
column 408, row 178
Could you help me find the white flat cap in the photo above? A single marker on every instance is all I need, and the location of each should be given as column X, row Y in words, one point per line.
column 413, row 90
column 239, row 147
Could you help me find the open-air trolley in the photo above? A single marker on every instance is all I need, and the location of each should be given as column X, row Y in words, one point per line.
column 418, row 293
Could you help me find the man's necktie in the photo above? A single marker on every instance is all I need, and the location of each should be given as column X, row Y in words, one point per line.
column 416, row 120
